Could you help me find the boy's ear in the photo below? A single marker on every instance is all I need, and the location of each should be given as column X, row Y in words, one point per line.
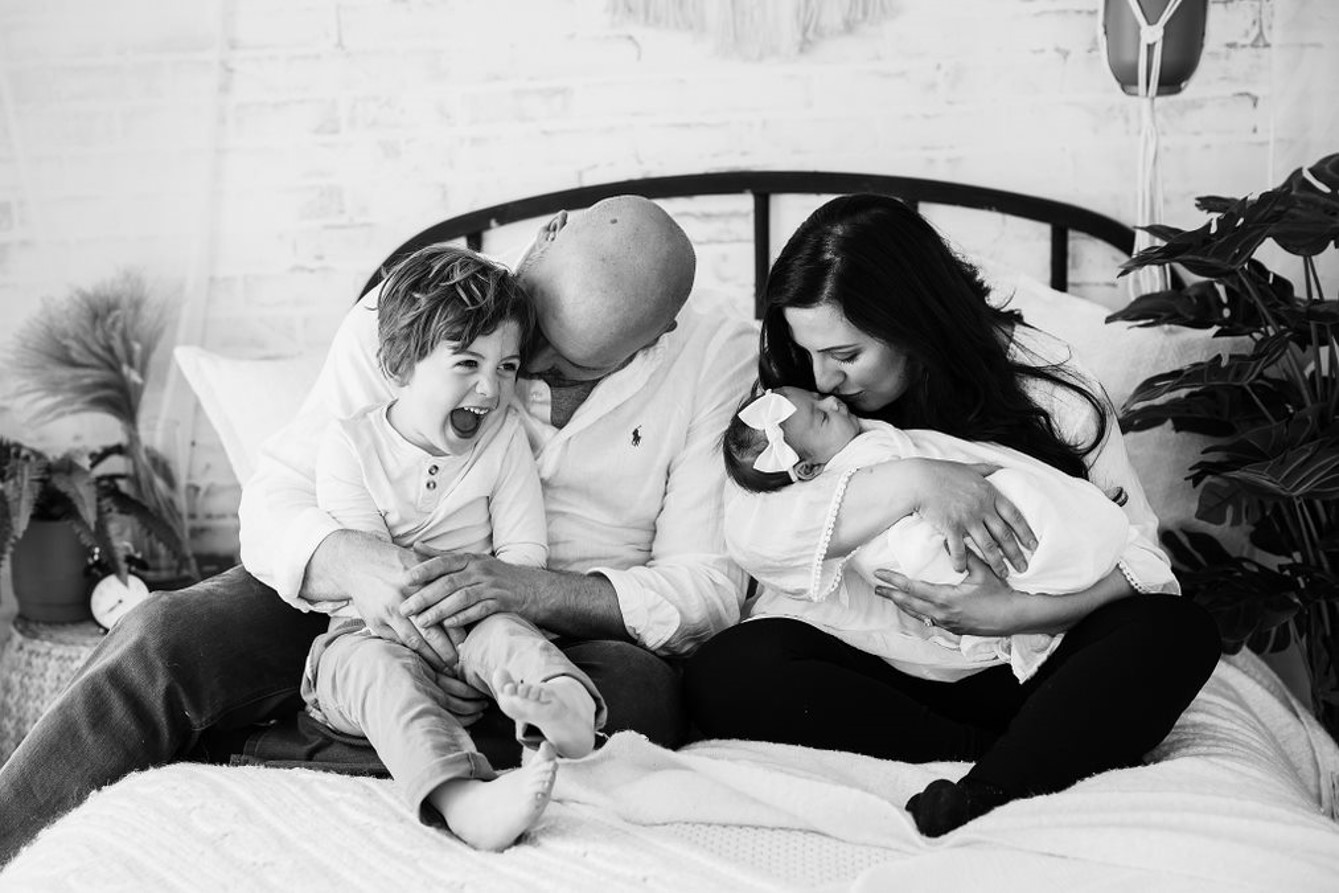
column 807, row 470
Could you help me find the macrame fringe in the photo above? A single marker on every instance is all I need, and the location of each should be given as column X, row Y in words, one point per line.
column 754, row 29
column 1148, row 211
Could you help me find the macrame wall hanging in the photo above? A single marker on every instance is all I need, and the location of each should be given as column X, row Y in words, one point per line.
column 1153, row 47
column 754, row 29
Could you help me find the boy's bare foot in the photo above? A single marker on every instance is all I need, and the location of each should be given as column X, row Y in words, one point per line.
column 491, row 815
column 562, row 709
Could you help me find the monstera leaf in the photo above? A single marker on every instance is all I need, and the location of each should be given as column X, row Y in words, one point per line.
column 1246, row 598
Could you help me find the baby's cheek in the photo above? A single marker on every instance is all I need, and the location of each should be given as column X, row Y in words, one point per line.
column 800, row 437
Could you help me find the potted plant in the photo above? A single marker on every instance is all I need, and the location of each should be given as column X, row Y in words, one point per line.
column 90, row 353
column 56, row 526
column 1271, row 410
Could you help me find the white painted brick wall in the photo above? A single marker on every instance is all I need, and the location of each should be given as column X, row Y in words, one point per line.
column 257, row 159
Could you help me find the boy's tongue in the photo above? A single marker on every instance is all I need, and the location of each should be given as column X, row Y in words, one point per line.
column 465, row 423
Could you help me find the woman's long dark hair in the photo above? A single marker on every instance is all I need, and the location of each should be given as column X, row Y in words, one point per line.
column 895, row 279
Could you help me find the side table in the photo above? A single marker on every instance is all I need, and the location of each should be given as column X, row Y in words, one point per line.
column 37, row 662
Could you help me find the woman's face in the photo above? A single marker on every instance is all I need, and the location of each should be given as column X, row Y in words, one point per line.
column 867, row 373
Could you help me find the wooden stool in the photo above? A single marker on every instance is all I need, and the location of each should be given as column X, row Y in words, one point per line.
column 38, row 661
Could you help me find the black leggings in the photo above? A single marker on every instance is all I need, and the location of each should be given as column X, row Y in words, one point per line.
column 1109, row 694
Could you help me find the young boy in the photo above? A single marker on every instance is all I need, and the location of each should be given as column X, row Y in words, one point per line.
column 790, row 435
column 445, row 465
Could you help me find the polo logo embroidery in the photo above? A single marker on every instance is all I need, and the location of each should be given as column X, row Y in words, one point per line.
column 637, row 436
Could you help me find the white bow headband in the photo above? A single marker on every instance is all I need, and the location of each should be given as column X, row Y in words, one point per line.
column 766, row 415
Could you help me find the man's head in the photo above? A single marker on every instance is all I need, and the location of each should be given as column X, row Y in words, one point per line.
column 606, row 282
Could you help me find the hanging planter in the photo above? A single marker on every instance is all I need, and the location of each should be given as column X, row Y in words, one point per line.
column 1164, row 38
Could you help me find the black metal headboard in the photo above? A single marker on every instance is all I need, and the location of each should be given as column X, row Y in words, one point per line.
column 762, row 185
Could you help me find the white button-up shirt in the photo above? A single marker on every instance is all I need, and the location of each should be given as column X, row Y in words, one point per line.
column 632, row 483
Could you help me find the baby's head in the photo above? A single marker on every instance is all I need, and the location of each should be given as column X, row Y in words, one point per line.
column 785, row 435
column 452, row 326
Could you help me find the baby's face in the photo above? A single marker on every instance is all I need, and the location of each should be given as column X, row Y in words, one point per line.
column 819, row 427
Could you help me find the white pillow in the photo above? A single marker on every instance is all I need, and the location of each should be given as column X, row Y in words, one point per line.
column 247, row 400
column 1122, row 355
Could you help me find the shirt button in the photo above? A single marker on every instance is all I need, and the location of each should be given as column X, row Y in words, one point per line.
column 432, row 485
column 432, row 469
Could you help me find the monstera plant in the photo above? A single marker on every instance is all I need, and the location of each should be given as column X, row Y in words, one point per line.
column 1271, row 411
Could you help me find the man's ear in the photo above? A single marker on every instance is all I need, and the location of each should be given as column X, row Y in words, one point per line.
column 555, row 224
column 541, row 242
column 807, row 470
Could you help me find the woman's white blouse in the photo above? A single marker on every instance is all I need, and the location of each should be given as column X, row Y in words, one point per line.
column 781, row 538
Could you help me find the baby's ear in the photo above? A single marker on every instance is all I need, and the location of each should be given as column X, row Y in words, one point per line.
column 807, row 470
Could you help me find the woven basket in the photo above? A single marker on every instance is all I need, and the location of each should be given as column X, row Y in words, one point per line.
column 37, row 663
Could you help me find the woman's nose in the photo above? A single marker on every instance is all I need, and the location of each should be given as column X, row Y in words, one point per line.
column 826, row 378
column 832, row 403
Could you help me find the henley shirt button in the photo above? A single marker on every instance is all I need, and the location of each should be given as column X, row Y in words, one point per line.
column 432, row 485
column 432, row 469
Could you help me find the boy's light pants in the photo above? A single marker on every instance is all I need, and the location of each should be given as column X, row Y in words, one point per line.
column 360, row 684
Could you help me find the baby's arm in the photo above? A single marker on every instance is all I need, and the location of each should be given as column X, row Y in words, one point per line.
column 781, row 537
column 954, row 497
column 516, row 506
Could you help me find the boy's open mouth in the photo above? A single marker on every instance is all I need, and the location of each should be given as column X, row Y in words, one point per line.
column 466, row 420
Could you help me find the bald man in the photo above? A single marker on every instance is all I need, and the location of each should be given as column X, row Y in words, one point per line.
column 624, row 400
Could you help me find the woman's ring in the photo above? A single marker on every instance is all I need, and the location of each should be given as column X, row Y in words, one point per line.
column 927, row 621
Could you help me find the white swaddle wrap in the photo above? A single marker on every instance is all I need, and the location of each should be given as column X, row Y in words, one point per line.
column 1081, row 535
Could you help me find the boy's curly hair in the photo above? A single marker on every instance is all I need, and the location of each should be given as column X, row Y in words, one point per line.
column 741, row 445
column 445, row 293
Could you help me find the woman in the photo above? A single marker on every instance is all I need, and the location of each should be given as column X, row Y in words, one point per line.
column 867, row 302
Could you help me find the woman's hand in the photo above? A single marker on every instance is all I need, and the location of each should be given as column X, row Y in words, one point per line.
column 958, row 501
column 981, row 605
column 984, row 605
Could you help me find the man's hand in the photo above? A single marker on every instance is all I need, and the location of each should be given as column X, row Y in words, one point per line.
column 465, row 702
column 456, row 589
column 377, row 576
column 981, row 605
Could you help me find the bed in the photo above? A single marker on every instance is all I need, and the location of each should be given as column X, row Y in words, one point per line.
column 1242, row 795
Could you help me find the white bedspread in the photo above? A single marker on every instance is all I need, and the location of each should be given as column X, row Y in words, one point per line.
column 1241, row 796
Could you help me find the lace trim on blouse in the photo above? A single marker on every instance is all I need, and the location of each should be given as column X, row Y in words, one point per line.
column 817, row 591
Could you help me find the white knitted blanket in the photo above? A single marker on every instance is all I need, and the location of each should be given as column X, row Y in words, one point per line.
column 1241, row 796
